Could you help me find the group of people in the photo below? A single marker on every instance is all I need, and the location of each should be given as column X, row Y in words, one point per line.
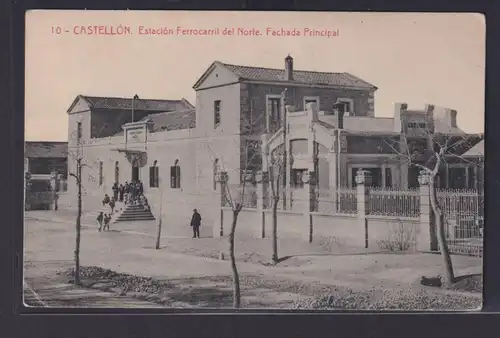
column 132, row 193
column 128, row 192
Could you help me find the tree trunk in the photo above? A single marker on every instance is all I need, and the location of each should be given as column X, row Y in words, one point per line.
column 158, row 230
column 236, row 278
column 78, row 226
column 275, row 230
column 158, row 234
column 449, row 277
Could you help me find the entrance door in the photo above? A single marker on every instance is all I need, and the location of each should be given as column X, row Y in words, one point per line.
column 135, row 173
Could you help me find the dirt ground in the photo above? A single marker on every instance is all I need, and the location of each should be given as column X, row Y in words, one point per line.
column 198, row 277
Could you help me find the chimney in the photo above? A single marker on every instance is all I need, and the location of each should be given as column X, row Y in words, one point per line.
column 289, row 68
column 453, row 118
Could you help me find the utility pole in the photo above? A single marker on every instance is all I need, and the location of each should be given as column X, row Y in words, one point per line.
column 285, row 144
column 136, row 97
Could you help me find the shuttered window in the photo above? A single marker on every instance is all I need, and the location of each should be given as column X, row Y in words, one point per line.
column 154, row 177
column 175, row 177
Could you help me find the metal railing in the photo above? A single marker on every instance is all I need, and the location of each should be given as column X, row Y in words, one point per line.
column 394, row 202
column 463, row 212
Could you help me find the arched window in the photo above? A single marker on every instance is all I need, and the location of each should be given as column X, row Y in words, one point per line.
column 175, row 175
column 154, row 175
column 117, row 172
column 216, row 170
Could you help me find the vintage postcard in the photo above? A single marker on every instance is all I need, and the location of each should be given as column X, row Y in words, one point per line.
column 254, row 160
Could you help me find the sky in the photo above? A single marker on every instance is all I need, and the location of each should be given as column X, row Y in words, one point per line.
column 411, row 57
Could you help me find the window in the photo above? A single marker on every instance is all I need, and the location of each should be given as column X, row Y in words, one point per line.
column 154, row 176
column 417, row 125
column 346, row 106
column 311, row 99
column 175, row 176
column 101, row 176
column 413, row 173
column 216, row 113
column 388, row 178
column 457, row 178
column 273, row 113
column 78, row 132
column 297, row 178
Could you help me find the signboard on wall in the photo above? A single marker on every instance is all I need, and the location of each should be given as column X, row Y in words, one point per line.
column 136, row 135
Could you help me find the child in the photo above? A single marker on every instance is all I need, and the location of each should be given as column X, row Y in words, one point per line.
column 112, row 205
column 107, row 219
column 100, row 219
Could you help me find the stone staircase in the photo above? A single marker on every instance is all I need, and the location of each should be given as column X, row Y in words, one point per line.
column 129, row 213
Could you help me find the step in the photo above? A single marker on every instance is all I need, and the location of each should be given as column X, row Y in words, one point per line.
column 134, row 220
column 136, row 214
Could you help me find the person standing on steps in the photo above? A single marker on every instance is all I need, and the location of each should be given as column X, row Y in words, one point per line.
column 126, row 193
column 196, row 223
column 115, row 191
column 121, row 190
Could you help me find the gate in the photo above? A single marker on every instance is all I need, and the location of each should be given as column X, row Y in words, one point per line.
column 463, row 220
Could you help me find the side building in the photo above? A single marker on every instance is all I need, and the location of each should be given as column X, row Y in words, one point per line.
column 42, row 160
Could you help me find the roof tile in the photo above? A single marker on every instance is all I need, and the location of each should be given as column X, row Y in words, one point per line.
column 299, row 76
column 140, row 104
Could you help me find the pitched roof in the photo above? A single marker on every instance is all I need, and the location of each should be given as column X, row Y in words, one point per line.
column 33, row 149
column 476, row 151
column 175, row 120
column 299, row 76
column 97, row 102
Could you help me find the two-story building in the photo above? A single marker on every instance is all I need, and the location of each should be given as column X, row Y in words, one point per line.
column 176, row 148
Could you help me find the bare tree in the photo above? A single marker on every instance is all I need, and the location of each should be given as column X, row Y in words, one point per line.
column 438, row 149
column 237, row 198
column 158, row 230
column 79, row 159
column 275, row 179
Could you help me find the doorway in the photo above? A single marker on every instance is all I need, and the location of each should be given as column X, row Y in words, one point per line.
column 135, row 173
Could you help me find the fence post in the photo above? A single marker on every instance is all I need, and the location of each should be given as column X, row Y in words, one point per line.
column 363, row 181
column 262, row 185
column 221, row 181
column 27, row 185
column 305, row 199
column 54, row 185
column 423, row 236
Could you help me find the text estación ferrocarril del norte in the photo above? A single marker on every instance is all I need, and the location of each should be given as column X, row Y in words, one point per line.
column 190, row 31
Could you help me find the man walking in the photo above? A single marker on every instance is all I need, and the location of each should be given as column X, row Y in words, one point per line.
column 196, row 223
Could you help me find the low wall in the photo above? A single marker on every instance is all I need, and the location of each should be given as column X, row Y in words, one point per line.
column 343, row 230
column 290, row 224
column 386, row 230
column 249, row 223
column 340, row 229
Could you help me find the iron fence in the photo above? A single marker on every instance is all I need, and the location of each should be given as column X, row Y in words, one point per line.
column 463, row 212
column 394, row 202
column 336, row 201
